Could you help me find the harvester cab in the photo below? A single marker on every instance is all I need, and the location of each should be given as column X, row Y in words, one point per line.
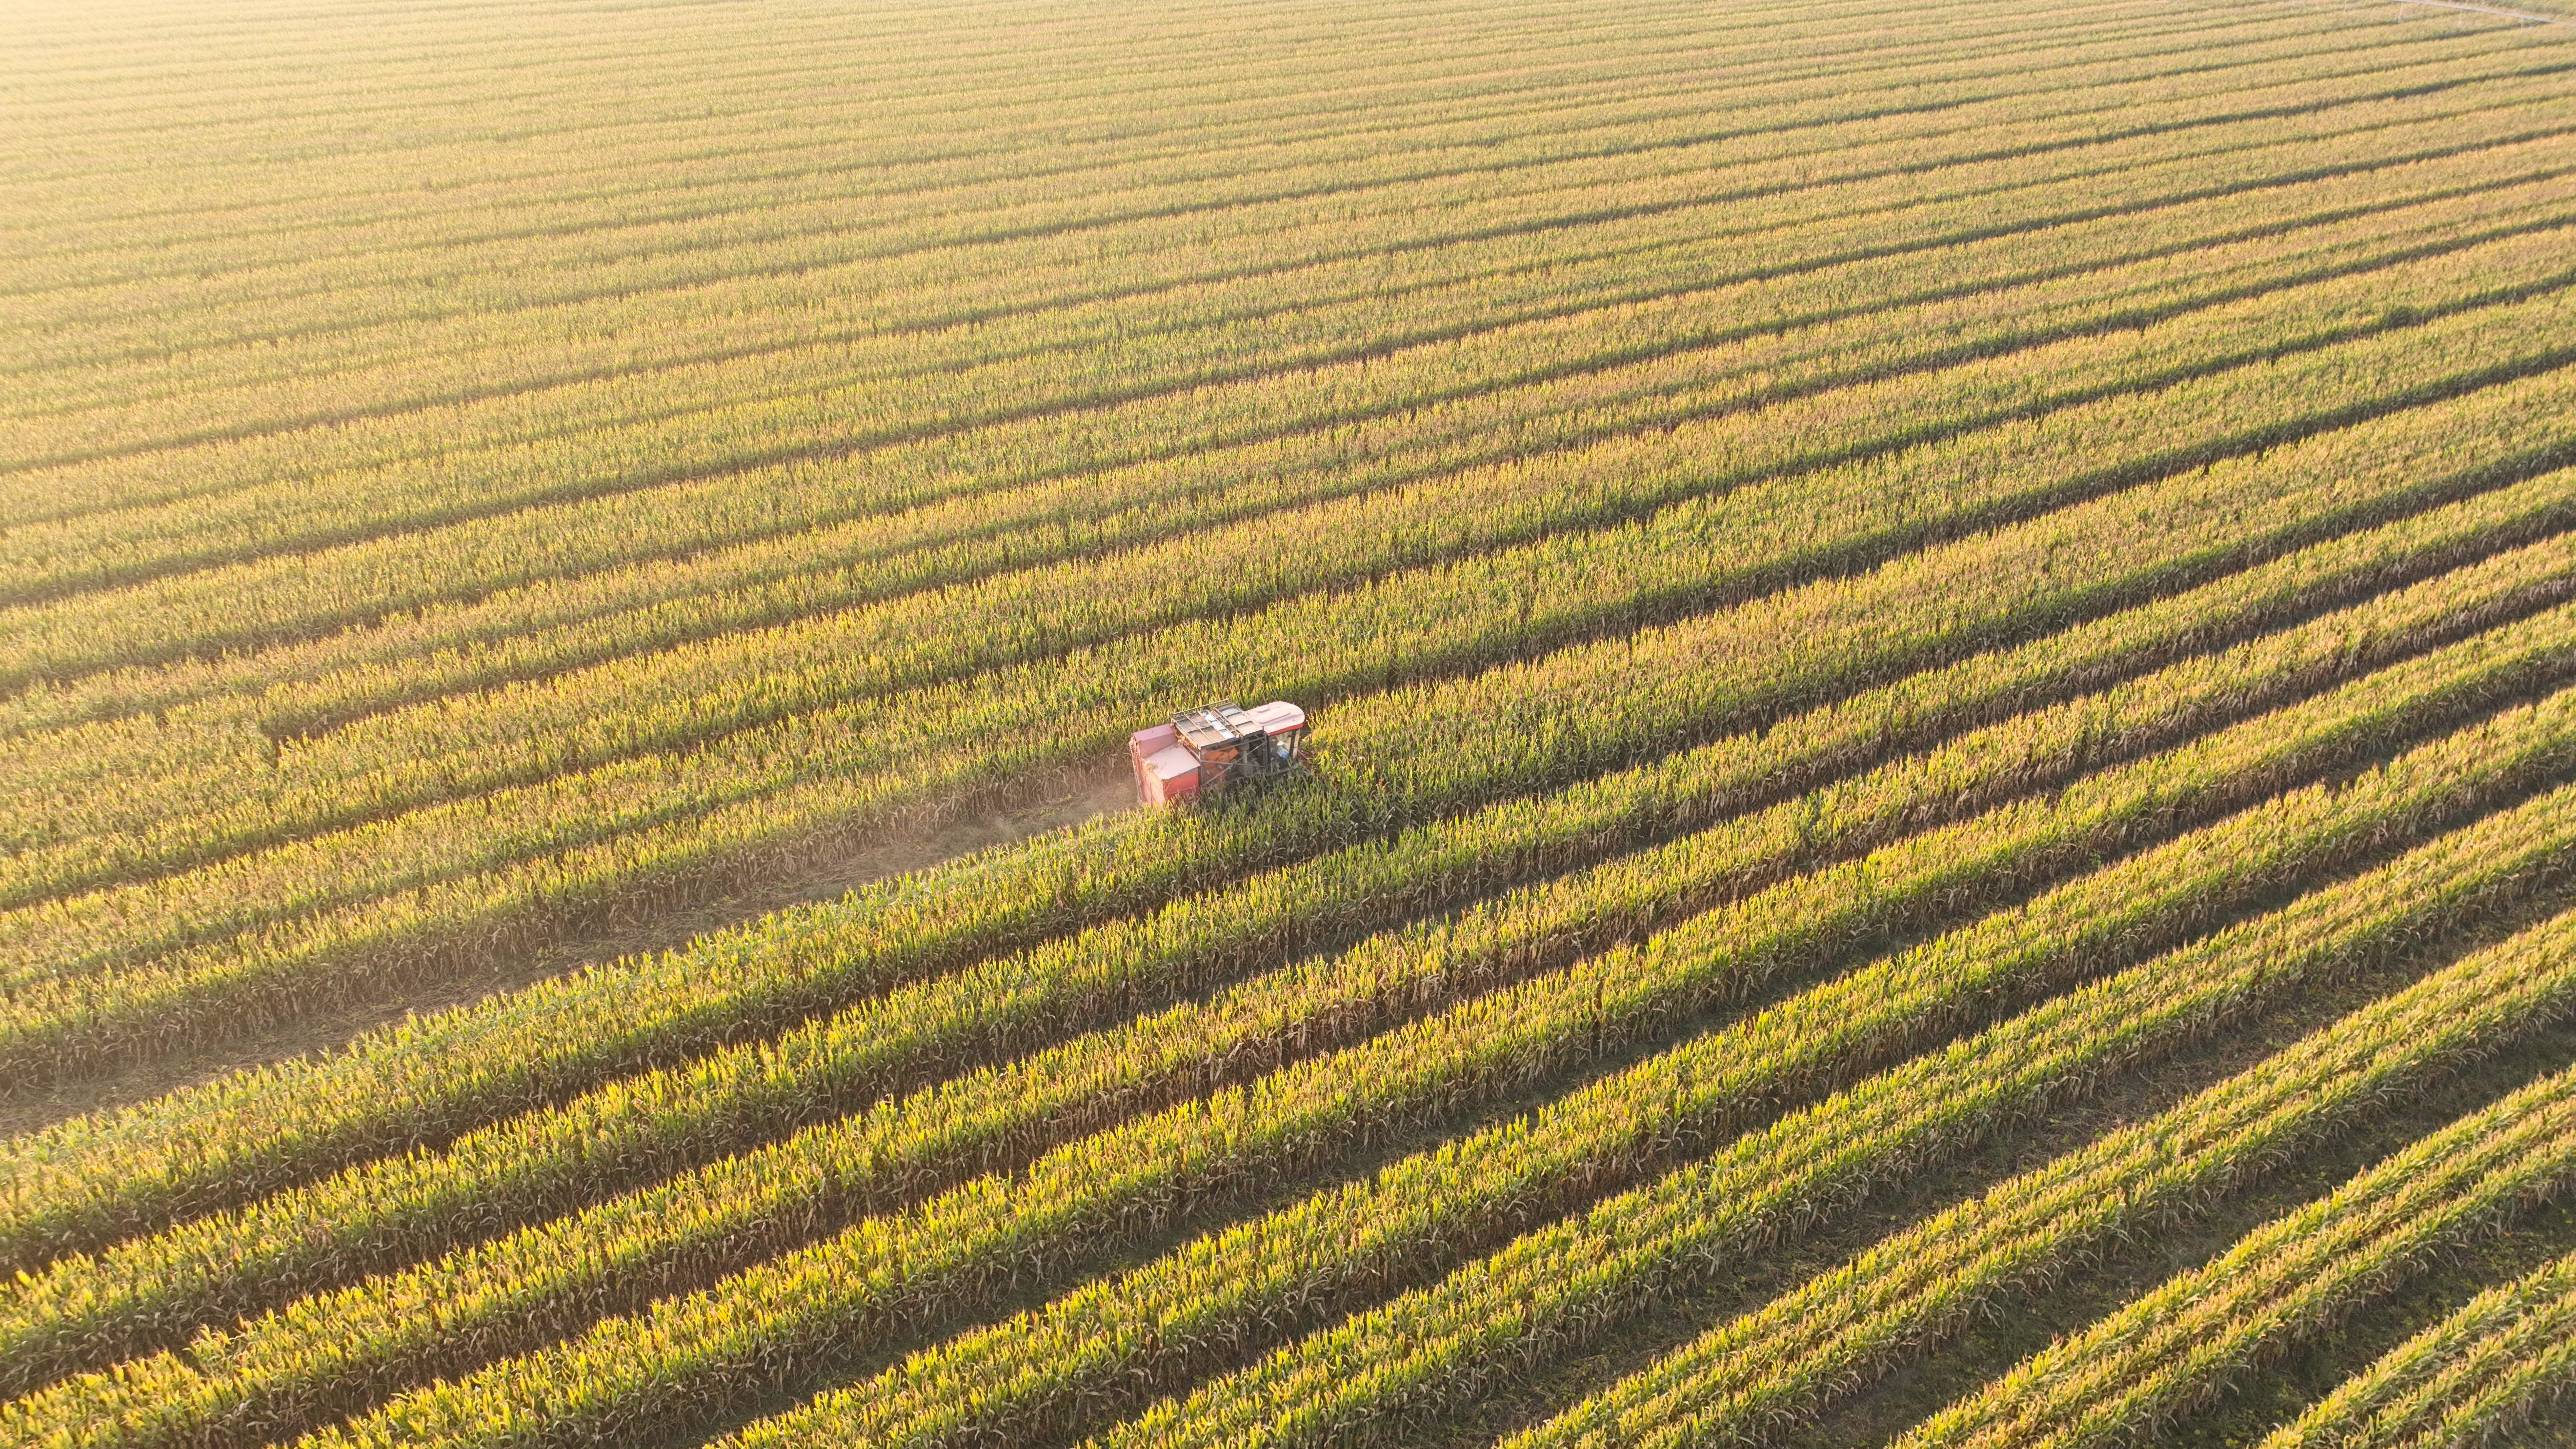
column 1211, row 750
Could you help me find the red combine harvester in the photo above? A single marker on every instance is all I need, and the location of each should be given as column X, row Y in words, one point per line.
column 1212, row 750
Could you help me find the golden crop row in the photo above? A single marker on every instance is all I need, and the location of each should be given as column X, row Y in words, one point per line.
column 2173, row 532
column 1201, row 212
column 586, row 175
column 579, row 759
column 1460, row 152
column 742, row 255
column 594, row 615
column 880, row 1274
column 1104, row 1345
column 1282, row 440
column 733, row 132
column 2384, row 458
column 1923, row 406
column 1564, row 1284
column 82, row 1312
column 2469, row 1379
column 1222, row 101
column 2289, row 1280
column 1782, row 1363
column 869, row 326
column 545, row 374
column 586, row 153
column 333, row 506
column 90, row 1182
column 1954, row 598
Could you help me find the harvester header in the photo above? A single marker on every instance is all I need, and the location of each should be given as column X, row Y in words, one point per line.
column 1215, row 748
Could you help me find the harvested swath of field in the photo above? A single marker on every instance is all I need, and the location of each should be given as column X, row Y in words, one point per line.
column 1942, row 645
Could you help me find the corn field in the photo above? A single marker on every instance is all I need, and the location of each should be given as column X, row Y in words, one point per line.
column 1942, row 644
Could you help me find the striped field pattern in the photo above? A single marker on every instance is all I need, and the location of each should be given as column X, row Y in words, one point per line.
column 1942, row 638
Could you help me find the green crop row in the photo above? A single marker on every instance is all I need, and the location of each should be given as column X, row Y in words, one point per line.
column 2470, row 1379
column 881, row 1275
column 300, row 514
column 628, row 170
column 2095, row 497
column 638, row 182
column 2286, row 1281
column 859, row 763
column 716, row 316
column 680, row 698
column 1583, row 712
column 1779, row 1365
column 1284, row 440
column 389, row 576
column 1559, row 85
column 1072, row 85
column 488, row 398
column 1200, row 222
column 1237, row 109
column 1057, row 1369
column 1443, row 1343
column 83, row 1311
column 91, row 1182
column 57, row 780
column 177, row 927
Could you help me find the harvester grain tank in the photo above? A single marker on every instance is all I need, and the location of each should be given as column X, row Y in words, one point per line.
column 1220, row 747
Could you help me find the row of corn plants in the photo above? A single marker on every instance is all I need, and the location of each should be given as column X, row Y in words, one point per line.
column 1730, row 448
column 298, row 514
column 1962, row 596
column 1587, row 63
column 1014, row 261
column 316, row 1357
column 86, row 1310
column 575, row 138
column 67, row 776
column 1958, row 60
column 416, row 573
column 1053, row 1369
column 1135, row 176
column 1332, row 429
column 2473, row 1378
column 95, row 1180
column 2286, row 1281
column 705, row 178
column 1772, row 1369
column 745, row 312
column 498, row 411
column 606, row 767
column 2075, row 561
column 466, row 560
